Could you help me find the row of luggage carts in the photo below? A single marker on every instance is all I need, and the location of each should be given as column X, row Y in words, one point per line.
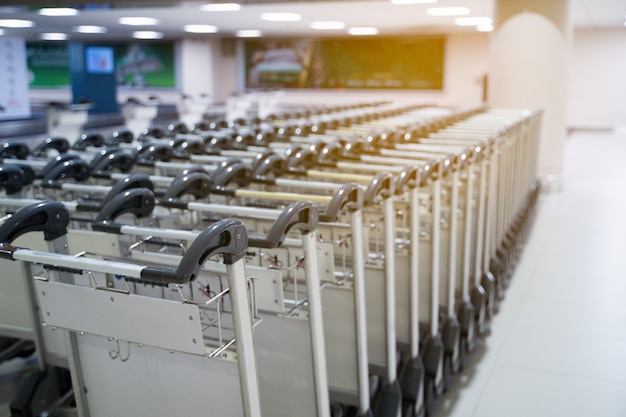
column 329, row 262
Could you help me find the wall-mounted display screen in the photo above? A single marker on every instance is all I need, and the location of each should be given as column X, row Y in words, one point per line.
column 99, row 60
column 372, row 63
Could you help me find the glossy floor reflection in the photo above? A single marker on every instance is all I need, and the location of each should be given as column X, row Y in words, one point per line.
column 557, row 347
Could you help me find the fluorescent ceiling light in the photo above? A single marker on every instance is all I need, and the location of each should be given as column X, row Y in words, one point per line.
column 220, row 7
column 327, row 25
column 16, row 23
column 413, row 1
column 281, row 17
column 58, row 11
column 361, row 31
column 248, row 33
column 200, row 28
column 90, row 29
column 147, row 34
column 484, row 28
column 473, row 21
column 447, row 11
column 138, row 21
column 53, row 36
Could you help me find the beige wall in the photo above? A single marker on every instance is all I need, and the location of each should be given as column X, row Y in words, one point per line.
column 598, row 79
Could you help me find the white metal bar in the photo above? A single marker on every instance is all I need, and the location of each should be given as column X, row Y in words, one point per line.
column 311, row 267
column 435, row 258
column 390, row 286
column 246, row 361
column 414, row 278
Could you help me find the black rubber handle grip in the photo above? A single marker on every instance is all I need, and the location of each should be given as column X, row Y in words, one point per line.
column 198, row 184
column 14, row 150
column 128, row 183
column 54, row 162
column 227, row 237
column 114, row 159
column 233, row 171
column 59, row 144
column 301, row 215
column 88, row 139
column 76, row 169
column 302, row 158
column 408, row 178
column 139, row 202
column 381, row 185
column 119, row 136
column 49, row 217
column 268, row 164
column 348, row 198
column 152, row 152
column 12, row 178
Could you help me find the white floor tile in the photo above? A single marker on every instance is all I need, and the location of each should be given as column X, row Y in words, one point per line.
column 514, row 392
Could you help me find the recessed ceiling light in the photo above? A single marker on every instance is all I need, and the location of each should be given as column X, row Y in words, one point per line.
column 413, row 1
column 473, row 21
column 138, row 21
column 147, row 34
column 200, row 28
column 361, row 31
column 58, row 11
column 53, row 36
column 16, row 23
column 248, row 33
column 327, row 25
column 447, row 11
column 220, row 7
column 484, row 28
column 281, row 17
column 90, row 29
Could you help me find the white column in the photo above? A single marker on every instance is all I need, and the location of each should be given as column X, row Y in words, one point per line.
column 529, row 66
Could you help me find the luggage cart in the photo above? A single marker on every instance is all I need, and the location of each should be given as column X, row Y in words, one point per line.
column 176, row 352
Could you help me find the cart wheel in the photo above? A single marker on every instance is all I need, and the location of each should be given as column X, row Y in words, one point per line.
column 464, row 352
column 408, row 409
column 336, row 410
column 430, row 397
column 448, row 372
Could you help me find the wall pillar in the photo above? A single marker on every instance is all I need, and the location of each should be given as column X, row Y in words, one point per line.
column 528, row 67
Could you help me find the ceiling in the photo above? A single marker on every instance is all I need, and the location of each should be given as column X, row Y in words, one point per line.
column 390, row 19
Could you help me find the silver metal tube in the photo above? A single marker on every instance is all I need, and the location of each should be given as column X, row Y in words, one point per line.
column 435, row 242
column 311, row 267
column 390, row 286
column 94, row 265
column 356, row 221
column 414, row 278
column 454, row 221
column 243, row 333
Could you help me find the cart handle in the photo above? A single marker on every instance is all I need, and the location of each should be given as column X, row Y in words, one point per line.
column 117, row 159
column 232, row 170
column 120, row 136
column 76, row 169
column 14, row 150
column 347, row 198
column 88, row 139
column 268, row 162
column 49, row 217
column 59, row 144
column 151, row 152
column 128, row 183
column 301, row 215
column 304, row 156
column 381, row 185
column 408, row 178
column 227, row 237
column 12, row 178
column 185, row 147
column 138, row 202
column 54, row 162
column 197, row 183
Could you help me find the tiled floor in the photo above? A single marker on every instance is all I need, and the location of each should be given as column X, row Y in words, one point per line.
column 558, row 345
